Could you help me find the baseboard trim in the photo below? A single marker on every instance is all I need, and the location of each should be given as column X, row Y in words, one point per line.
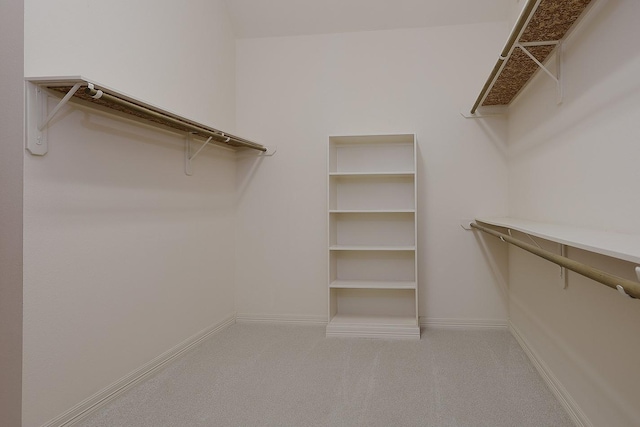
column 556, row 387
column 446, row 323
column 290, row 319
column 106, row 395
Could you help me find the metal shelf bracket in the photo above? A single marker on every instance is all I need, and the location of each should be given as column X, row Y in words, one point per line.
column 36, row 135
column 564, row 277
column 188, row 157
column 557, row 78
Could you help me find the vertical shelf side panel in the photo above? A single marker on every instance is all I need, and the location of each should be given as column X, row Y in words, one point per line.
column 415, row 226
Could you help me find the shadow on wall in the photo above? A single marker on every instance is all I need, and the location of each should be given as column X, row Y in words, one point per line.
column 494, row 253
column 493, row 128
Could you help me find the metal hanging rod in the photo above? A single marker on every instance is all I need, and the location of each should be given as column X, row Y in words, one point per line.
column 622, row 285
column 92, row 94
column 216, row 135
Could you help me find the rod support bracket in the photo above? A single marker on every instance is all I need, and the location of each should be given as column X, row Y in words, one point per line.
column 188, row 157
column 557, row 78
column 622, row 291
column 466, row 224
column 37, row 119
column 271, row 150
column 564, row 277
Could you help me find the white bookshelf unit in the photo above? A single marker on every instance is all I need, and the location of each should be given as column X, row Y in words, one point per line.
column 373, row 283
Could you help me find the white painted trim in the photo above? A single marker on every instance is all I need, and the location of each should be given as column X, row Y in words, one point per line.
column 556, row 387
column 373, row 331
column 290, row 319
column 446, row 323
column 106, row 395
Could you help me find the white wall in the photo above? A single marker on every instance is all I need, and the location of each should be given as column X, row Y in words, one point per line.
column 577, row 163
column 296, row 91
column 177, row 55
column 11, row 167
column 124, row 255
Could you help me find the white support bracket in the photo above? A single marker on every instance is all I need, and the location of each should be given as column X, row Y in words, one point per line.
column 564, row 277
column 36, row 135
column 558, row 52
column 271, row 150
column 188, row 157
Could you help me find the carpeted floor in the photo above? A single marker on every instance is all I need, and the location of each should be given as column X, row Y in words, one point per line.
column 274, row 375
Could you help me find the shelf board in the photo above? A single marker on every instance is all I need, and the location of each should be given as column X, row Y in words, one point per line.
column 362, row 284
column 371, row 248
column 617, row 245
column 373, row 174
column 123, row 105
column 372, row 211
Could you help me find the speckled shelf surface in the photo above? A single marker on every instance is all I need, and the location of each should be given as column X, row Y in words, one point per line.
column 550, row 22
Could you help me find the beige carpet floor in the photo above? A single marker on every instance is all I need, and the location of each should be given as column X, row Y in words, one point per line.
column 279, row 375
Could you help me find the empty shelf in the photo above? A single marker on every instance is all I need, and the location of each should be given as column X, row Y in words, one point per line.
column 362, row 284
column 96, row 95
column 372, row 248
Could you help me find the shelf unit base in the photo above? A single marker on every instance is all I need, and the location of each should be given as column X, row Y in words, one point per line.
column 373, row 327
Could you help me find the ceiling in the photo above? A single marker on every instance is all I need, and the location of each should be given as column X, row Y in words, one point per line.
column 270, row 18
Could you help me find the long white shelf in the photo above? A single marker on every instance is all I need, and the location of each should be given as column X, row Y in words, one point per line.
column 617, row 245
column 373, row 174
column 371, row 248
column 362, row 284
column 358, row 211
column 91, row 93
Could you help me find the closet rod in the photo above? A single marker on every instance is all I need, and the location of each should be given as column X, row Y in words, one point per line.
column 630, row 288
column 218, row 137
column 526, row 13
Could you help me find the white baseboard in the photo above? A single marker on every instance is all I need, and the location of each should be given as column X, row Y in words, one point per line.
column 445, row 323
column 290, row 319
column 106, row 395
column 556, row 387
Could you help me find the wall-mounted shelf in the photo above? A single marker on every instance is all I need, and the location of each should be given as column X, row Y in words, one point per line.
column 538, row 33
column 89, row 93
column 623, row 246
column 617, row 245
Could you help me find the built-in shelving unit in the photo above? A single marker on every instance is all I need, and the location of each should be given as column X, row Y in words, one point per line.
column 539, row 32
column 625, row 246
column 372, row 236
